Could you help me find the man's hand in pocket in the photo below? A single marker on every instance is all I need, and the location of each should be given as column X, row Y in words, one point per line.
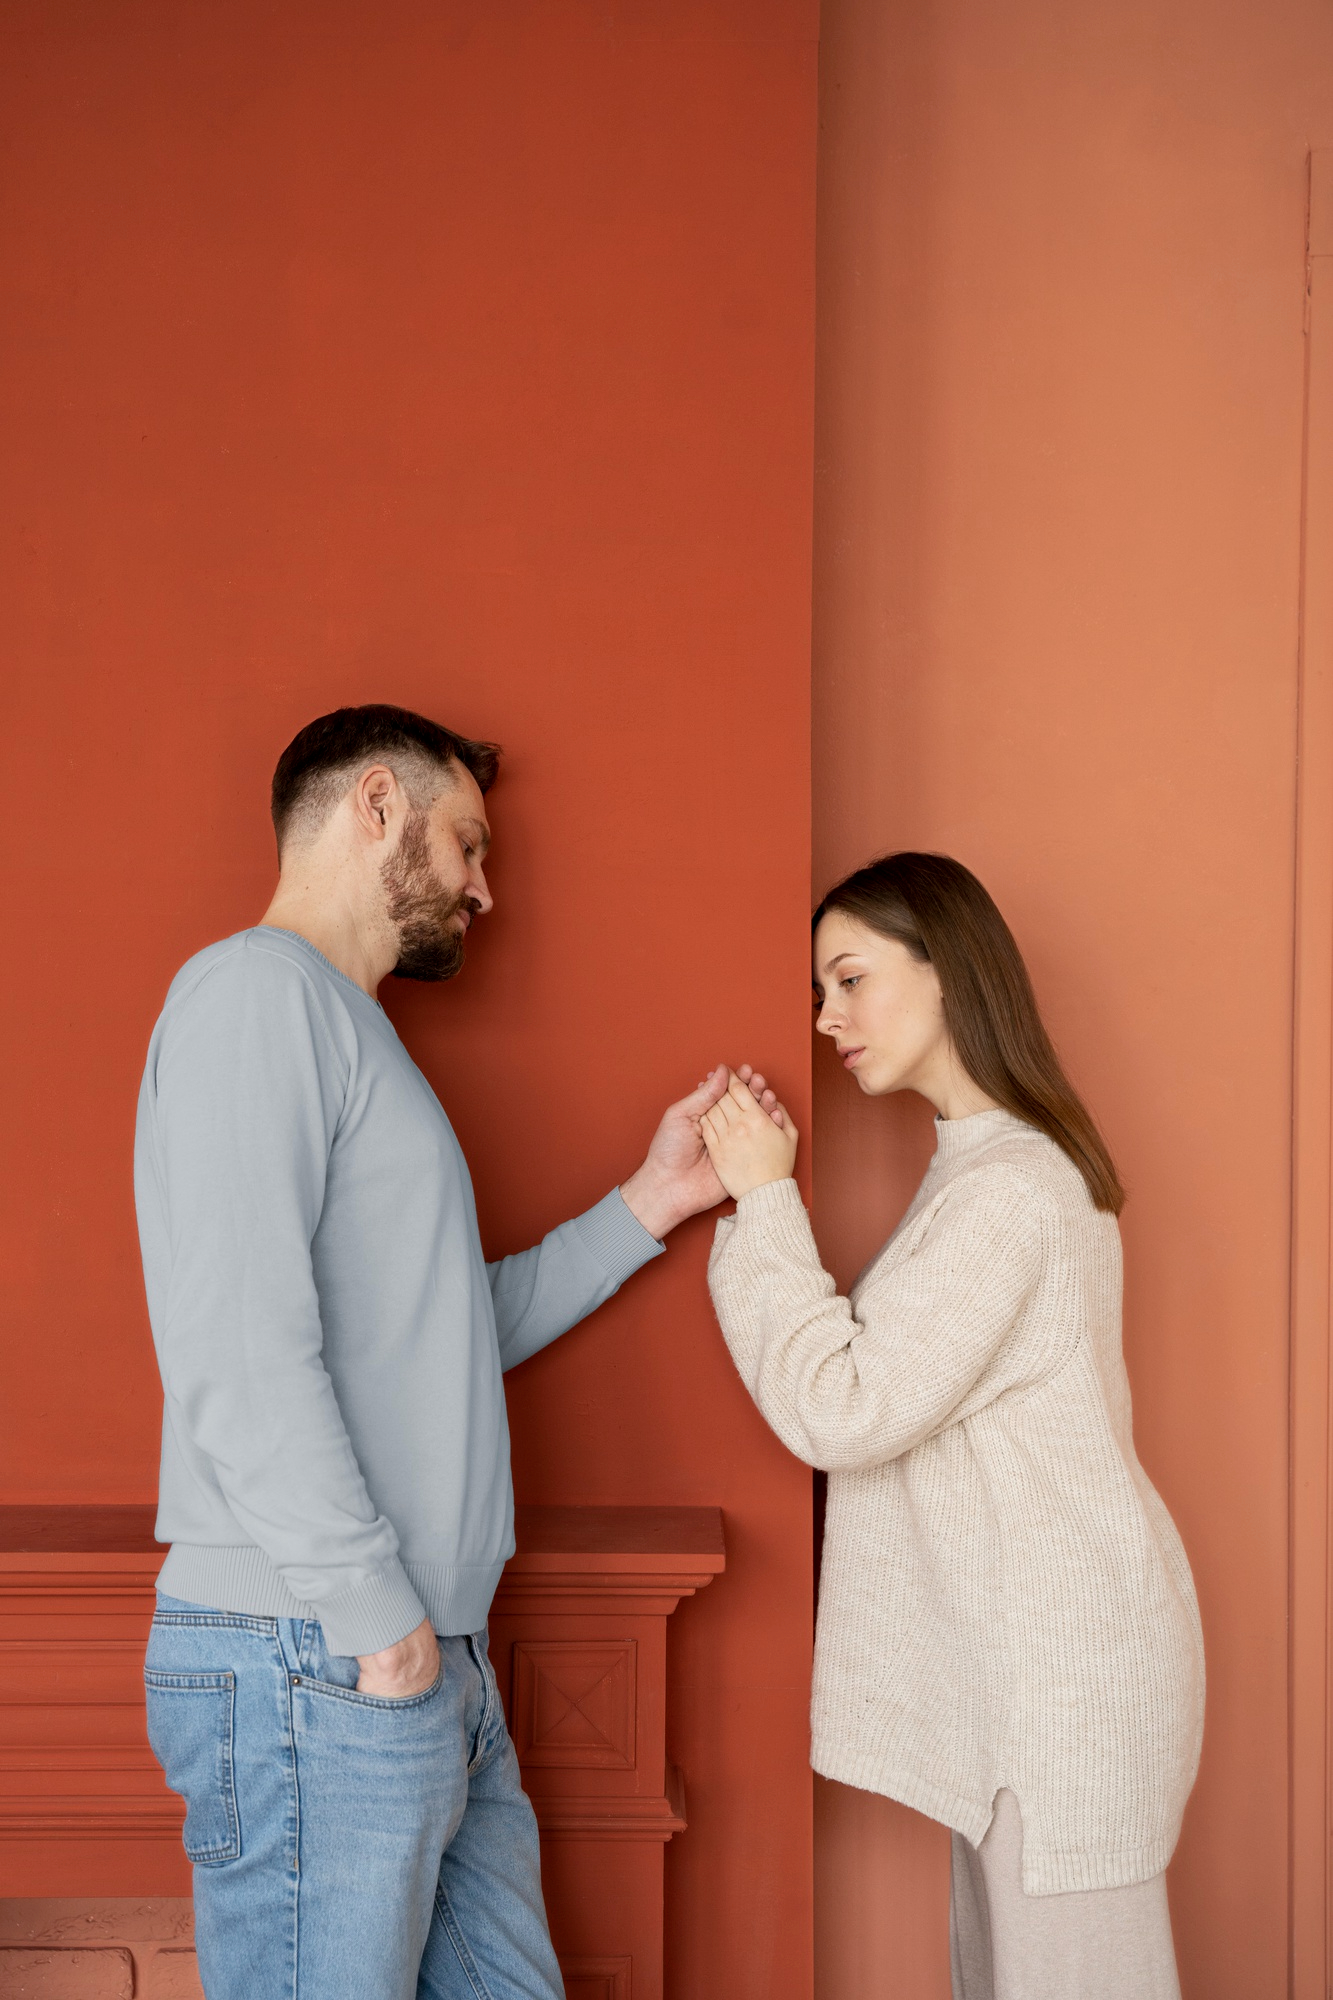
column 408, row 1668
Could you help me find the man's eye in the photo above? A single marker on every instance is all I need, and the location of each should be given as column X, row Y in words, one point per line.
column 468, row 852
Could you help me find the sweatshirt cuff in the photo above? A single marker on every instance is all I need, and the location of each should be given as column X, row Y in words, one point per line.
column 368, row 1616
column 616, row 1238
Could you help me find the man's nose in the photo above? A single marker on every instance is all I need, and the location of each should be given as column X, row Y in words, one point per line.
column 479, row 893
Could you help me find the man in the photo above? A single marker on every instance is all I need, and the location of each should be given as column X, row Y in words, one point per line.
column 335, row 1458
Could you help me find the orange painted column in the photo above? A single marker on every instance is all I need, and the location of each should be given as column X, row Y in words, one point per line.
column 457, row 355
column 1057, row 593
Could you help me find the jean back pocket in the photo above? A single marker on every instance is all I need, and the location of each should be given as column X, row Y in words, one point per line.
column 190, row 1729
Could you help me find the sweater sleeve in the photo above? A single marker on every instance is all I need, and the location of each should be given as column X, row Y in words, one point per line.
column 246, row 1093
column 848, row 1387
column 540, row 1293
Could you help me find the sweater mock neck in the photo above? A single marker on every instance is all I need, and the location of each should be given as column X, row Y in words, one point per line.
column 956, row 1137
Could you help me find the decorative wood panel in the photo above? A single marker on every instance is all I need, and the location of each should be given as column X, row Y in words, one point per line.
column 596, row 1978
column 574, row 1704
column 75, row 1766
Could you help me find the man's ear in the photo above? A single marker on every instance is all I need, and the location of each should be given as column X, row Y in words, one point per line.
column 376, row 798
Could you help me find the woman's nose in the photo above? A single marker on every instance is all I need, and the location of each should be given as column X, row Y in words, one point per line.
column 826, row 1021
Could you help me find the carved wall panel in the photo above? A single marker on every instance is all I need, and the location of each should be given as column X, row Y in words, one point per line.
column 573, row 1704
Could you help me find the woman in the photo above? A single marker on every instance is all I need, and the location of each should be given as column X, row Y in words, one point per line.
column 1008, row 1635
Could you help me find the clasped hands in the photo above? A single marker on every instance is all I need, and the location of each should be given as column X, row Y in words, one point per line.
column 729, row 1135
column 751, row 1140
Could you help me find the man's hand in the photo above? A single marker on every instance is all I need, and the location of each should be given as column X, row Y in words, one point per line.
column 408, row 1668
column 747, row 1149
column 678, row 1179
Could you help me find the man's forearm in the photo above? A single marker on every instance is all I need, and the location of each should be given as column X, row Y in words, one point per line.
column 540, row 1293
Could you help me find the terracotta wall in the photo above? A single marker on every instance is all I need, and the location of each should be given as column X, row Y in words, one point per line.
column 458, row 355
column 1056, row 595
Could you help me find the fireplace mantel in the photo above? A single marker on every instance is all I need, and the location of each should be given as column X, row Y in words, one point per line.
column 579, row 1645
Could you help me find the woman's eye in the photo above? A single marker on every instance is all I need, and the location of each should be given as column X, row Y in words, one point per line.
column 854, row 980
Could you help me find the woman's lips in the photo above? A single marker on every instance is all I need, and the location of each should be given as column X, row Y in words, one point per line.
column 851, row 1057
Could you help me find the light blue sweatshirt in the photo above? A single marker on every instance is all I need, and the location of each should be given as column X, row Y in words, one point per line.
column 330, row 1337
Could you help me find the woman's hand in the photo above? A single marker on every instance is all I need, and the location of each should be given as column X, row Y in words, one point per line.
column 749, row 1143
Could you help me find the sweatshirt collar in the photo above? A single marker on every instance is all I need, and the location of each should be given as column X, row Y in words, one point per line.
column 277, row 930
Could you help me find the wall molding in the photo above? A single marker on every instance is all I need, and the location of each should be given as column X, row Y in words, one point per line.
column 1311, row 1968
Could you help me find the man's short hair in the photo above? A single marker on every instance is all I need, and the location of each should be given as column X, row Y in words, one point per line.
column 321, row 762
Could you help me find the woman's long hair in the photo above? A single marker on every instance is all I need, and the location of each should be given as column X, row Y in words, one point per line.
column 940, row 911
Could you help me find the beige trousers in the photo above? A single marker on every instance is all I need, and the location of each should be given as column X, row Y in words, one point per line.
column 1094, row 1944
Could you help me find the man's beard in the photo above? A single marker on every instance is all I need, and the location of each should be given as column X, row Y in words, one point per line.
column 430, row 944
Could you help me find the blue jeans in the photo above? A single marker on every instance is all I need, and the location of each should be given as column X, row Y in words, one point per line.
column 345, row 1846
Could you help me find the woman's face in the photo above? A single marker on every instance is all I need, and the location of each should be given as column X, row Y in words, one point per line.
column 881, row 1006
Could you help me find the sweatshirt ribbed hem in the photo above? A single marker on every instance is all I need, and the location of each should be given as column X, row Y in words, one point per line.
column 1046, row 1871
column 367, row 1617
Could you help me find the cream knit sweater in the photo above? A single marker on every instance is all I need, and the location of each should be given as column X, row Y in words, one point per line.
column 1004, row 1600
